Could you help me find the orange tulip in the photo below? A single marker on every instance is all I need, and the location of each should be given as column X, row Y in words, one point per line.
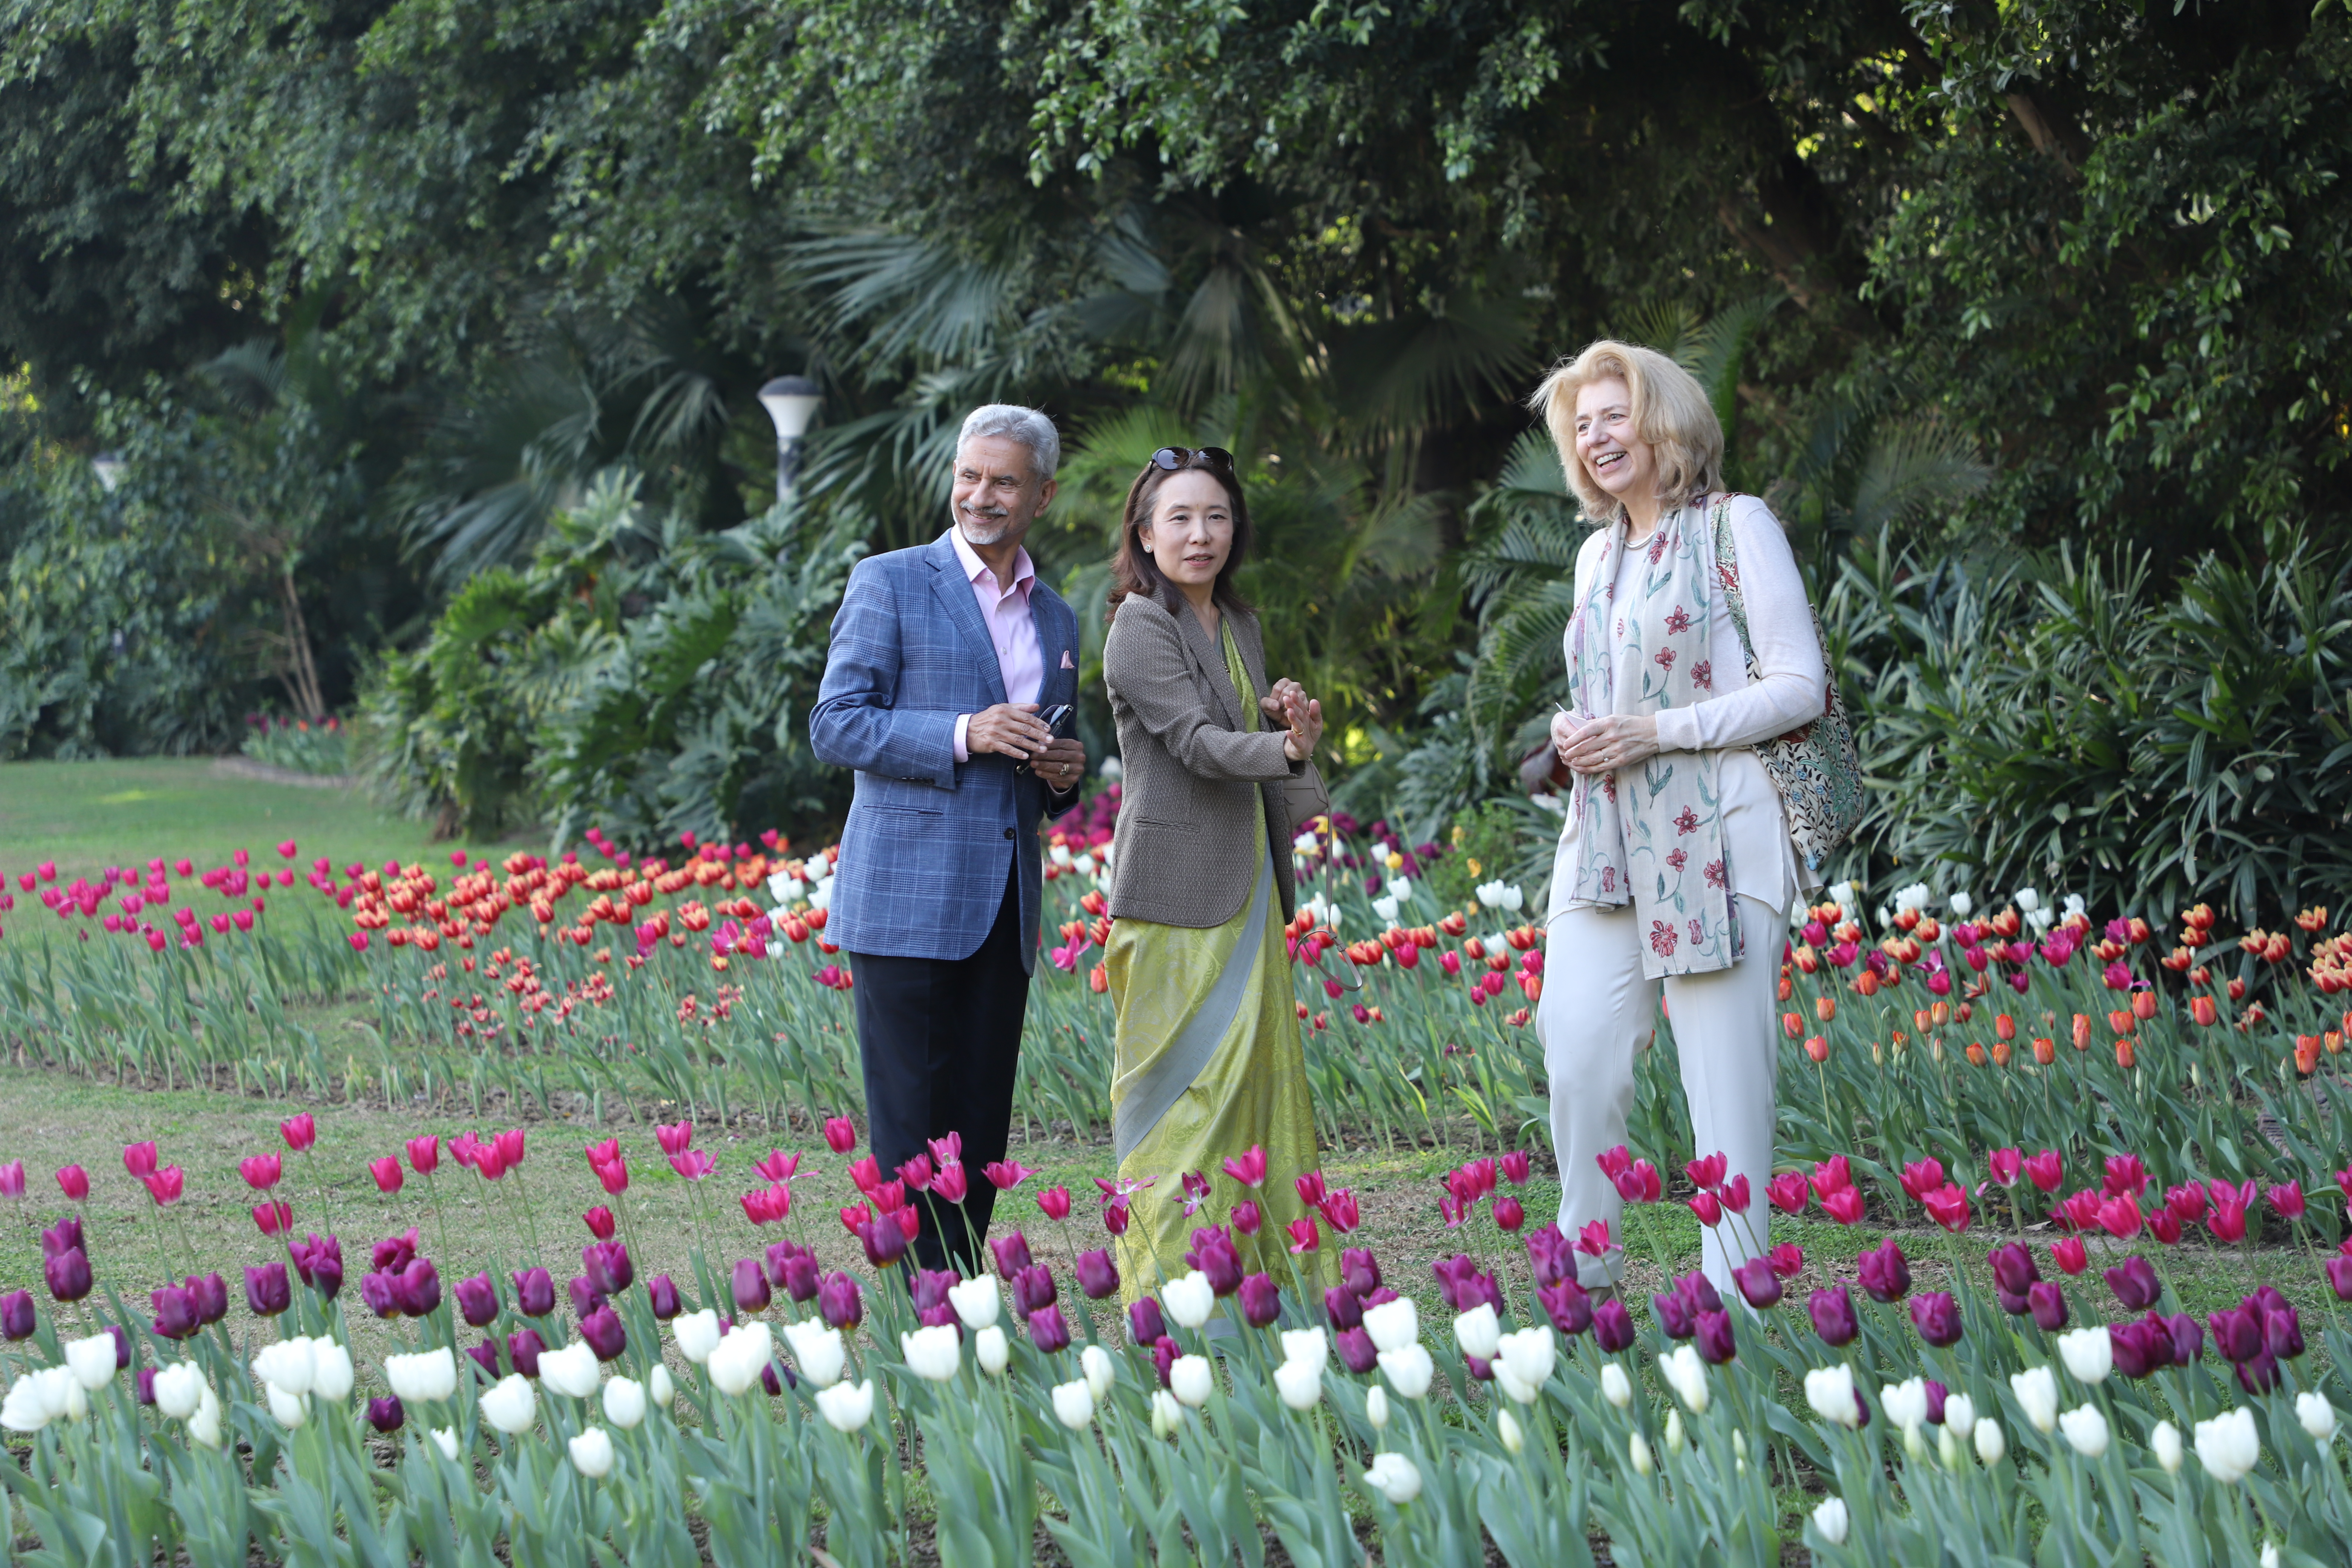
column 2120, row 1021
column 1940, row 1014
column 2202, row 1009
column 1786, row 989
column 2045, row 1051
column 1866, row 984
column 2001, row 1053
column 1825, row 1008
column 2081, row 1031
column 2124, row 1053
column 1099, row 979
column 1792, row 1024
column 2306, row 1054
column 1919, row 1020
column 2142, row 1004
column 2004, row 1027
column 1976, row 1055
column 1818, row 1048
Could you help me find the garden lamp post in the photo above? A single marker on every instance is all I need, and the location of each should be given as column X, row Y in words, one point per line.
column 790, row 400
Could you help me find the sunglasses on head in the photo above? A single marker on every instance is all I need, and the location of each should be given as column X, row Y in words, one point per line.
column 1169, row 459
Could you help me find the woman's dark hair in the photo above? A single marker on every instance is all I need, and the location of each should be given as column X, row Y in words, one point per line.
column 1132, row 569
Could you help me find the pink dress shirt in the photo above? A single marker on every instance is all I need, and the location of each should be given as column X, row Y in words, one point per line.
column 1020, row 657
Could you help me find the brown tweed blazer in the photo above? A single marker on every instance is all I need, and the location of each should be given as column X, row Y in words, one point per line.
column 1183, row 853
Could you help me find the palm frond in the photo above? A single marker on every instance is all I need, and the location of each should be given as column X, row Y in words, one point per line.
column 1915, row 467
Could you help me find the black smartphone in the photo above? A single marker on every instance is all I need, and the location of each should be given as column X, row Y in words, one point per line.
column 1061, row 718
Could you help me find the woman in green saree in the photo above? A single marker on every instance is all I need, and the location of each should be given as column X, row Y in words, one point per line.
column 1210, row 1067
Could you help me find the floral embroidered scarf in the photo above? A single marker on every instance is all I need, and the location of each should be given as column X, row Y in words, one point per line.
column 1651, row 835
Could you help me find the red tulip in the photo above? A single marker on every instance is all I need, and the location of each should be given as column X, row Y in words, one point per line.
column 1948, row 1206
column 2070, row 1255
column 386, row 1171
column 74, row 1181
column 1709, row 1209
column 424, row 1154
column 2045, row 1171
column 261, row 1171
column 2120, row 1217
column 763, row 1207
column 840, row 1135
column 1831, row 1175
column 299, row 1131
column 1921, row 1177
column 165, row 1185
column 138, row 1159
column 599, row 1221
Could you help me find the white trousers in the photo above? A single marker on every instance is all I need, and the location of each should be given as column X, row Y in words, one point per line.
column 1596, row 1015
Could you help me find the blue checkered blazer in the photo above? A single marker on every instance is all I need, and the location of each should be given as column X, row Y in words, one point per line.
column 924, row 857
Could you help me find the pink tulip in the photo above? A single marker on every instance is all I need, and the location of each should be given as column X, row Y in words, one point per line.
column 165, row 1185
column 2005, row 1165
column 287, row 848
column 693, row 1165
column 777, row 1166
column 511, row 1147
column 74, row 1181
column 424, row 1154
column 840, row 1135
column 2045, row 1171
column 388, row 1174
column 950, row 1184
column 262, row 1172
column 273, row 1218
column 1249, row 1168
column 2070, row 1255
column 12, row 1179
column 1055, row 1202
column 138, row 1159
column 675, row 1137
column 1006, row 1174
column 2286, row 1197
column 299, row 1131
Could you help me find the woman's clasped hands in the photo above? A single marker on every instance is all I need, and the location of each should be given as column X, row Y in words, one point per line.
column 1288, row 705
column 1605, row 744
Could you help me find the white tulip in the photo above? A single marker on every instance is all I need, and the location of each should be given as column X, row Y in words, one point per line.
column 1376, row 1407
column 625, row 1403
column 1073, row 1403
column 1506, row 1428
column 1673, row 1430
column 1478, row 1331
column 1831, row 1519
column 817, row 1351
column 1189, row 1380
column 2085, row 1429
column 2228, row 1445
column 28, row 1405
column 1189, row 1300
column 976, row 1301
column 1841, row 894
column 990, row 1349
column 2269, row 1557
column 1311, row 1346
column 933, row 1354
column 1528, row 1355
column 660, row 1385
column 287, row 1364
column 1167, row 1416
column 2037, row 1395
column 179, row 1389
column 1393, row 1325
column 1830, row 1390
column 847, row 1406
column 2089, row 1353
column 1959, row 1415
column 2027, row 900
column 2165, row 1443
column 1409, row 1370
column 287, row 1408
column 1962, row 905
column 1615, row 1386
column 429, row 1376
column 1686, row 1373
column 1990, row 1444
column 446, row 1439
column 511, row 1406
column 330, row 1370
column 1300, row 1384
column 2318, row 1416
column 736, row 1365
column 1513, row 899
column 1094, row 1365
column 1905, row 1403
column 1394, row 1477
column 1386, row 908
column 204, row 1426
column 91, row 1361
column 1948, row 1447
column 1913, row 896
column 1637, row 1448
column 591, row 1453
column 696, row 1334
column 573, row 1370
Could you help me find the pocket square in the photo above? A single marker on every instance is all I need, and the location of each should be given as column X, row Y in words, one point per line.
column 1067, row 661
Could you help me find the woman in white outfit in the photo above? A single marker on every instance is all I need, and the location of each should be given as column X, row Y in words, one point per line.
column 1675, row 871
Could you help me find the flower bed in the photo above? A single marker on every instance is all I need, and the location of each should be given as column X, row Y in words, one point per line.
column 747, row 1409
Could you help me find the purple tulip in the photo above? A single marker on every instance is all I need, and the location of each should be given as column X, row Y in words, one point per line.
column 1011, row 1253
column 1356, row 1349
column 586, row 1297
column 928, row 1286
column 2283, row 1333
column 838, row 1303
column 1698, row 1290
column 267, row 1291
column 750, row 1285
column 210, row 1293
column 2013, row 1274
column 1937, row 1395
column 778, row 1253
column 2047, row 1302
column 1936, row 1317
column 663, row 1292
column 394, row 1253
column 18, row 1317
column 1676, row 1318
column 522, row 1350
column 602, row 1329
column 535, row 1292
column 1757, row 1284
column 63, row 1237
column 1098, row 1275
column 175, row 1313
column 1047, row 1332
column 1885, row 1272
column 142, row 1385
column 1612, row 1326
column 2339, row 1276
column 1549, row 1256
column 774, row 1386
column 1358, row 1272
column 320, row 1261
column 418, row 1288
column 1214, row 1254
column 1833, row 1311
column 1716, row 1344
column 381, row 1293
column 67, row 1274
column 2188, row 1339
column 122, row 1338
column 477, row 1301
column 1340, row 1305
column 2237, row 1334
column 2133, row 1348
column 387, row 1414
column 608, row 1266
column 884, row 1241
column 2259, row 1373
column 1567, row 1306
column 1034, row 1290
column 486, row 1356
column 1145, row 1322
column 2135, row 1284
column 1260, row 1301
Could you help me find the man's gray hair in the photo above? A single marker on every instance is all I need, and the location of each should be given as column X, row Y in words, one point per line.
column 1027, row 426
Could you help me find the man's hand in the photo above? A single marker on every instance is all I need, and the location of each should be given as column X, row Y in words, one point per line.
column 1009, row 729
column 1063, row 764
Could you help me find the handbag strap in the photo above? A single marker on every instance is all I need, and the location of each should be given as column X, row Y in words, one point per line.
column 1726, row 577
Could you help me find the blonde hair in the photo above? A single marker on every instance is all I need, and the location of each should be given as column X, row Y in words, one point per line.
column 1670, row 412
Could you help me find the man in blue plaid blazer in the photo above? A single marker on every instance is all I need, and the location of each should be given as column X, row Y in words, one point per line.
column 942, row 658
